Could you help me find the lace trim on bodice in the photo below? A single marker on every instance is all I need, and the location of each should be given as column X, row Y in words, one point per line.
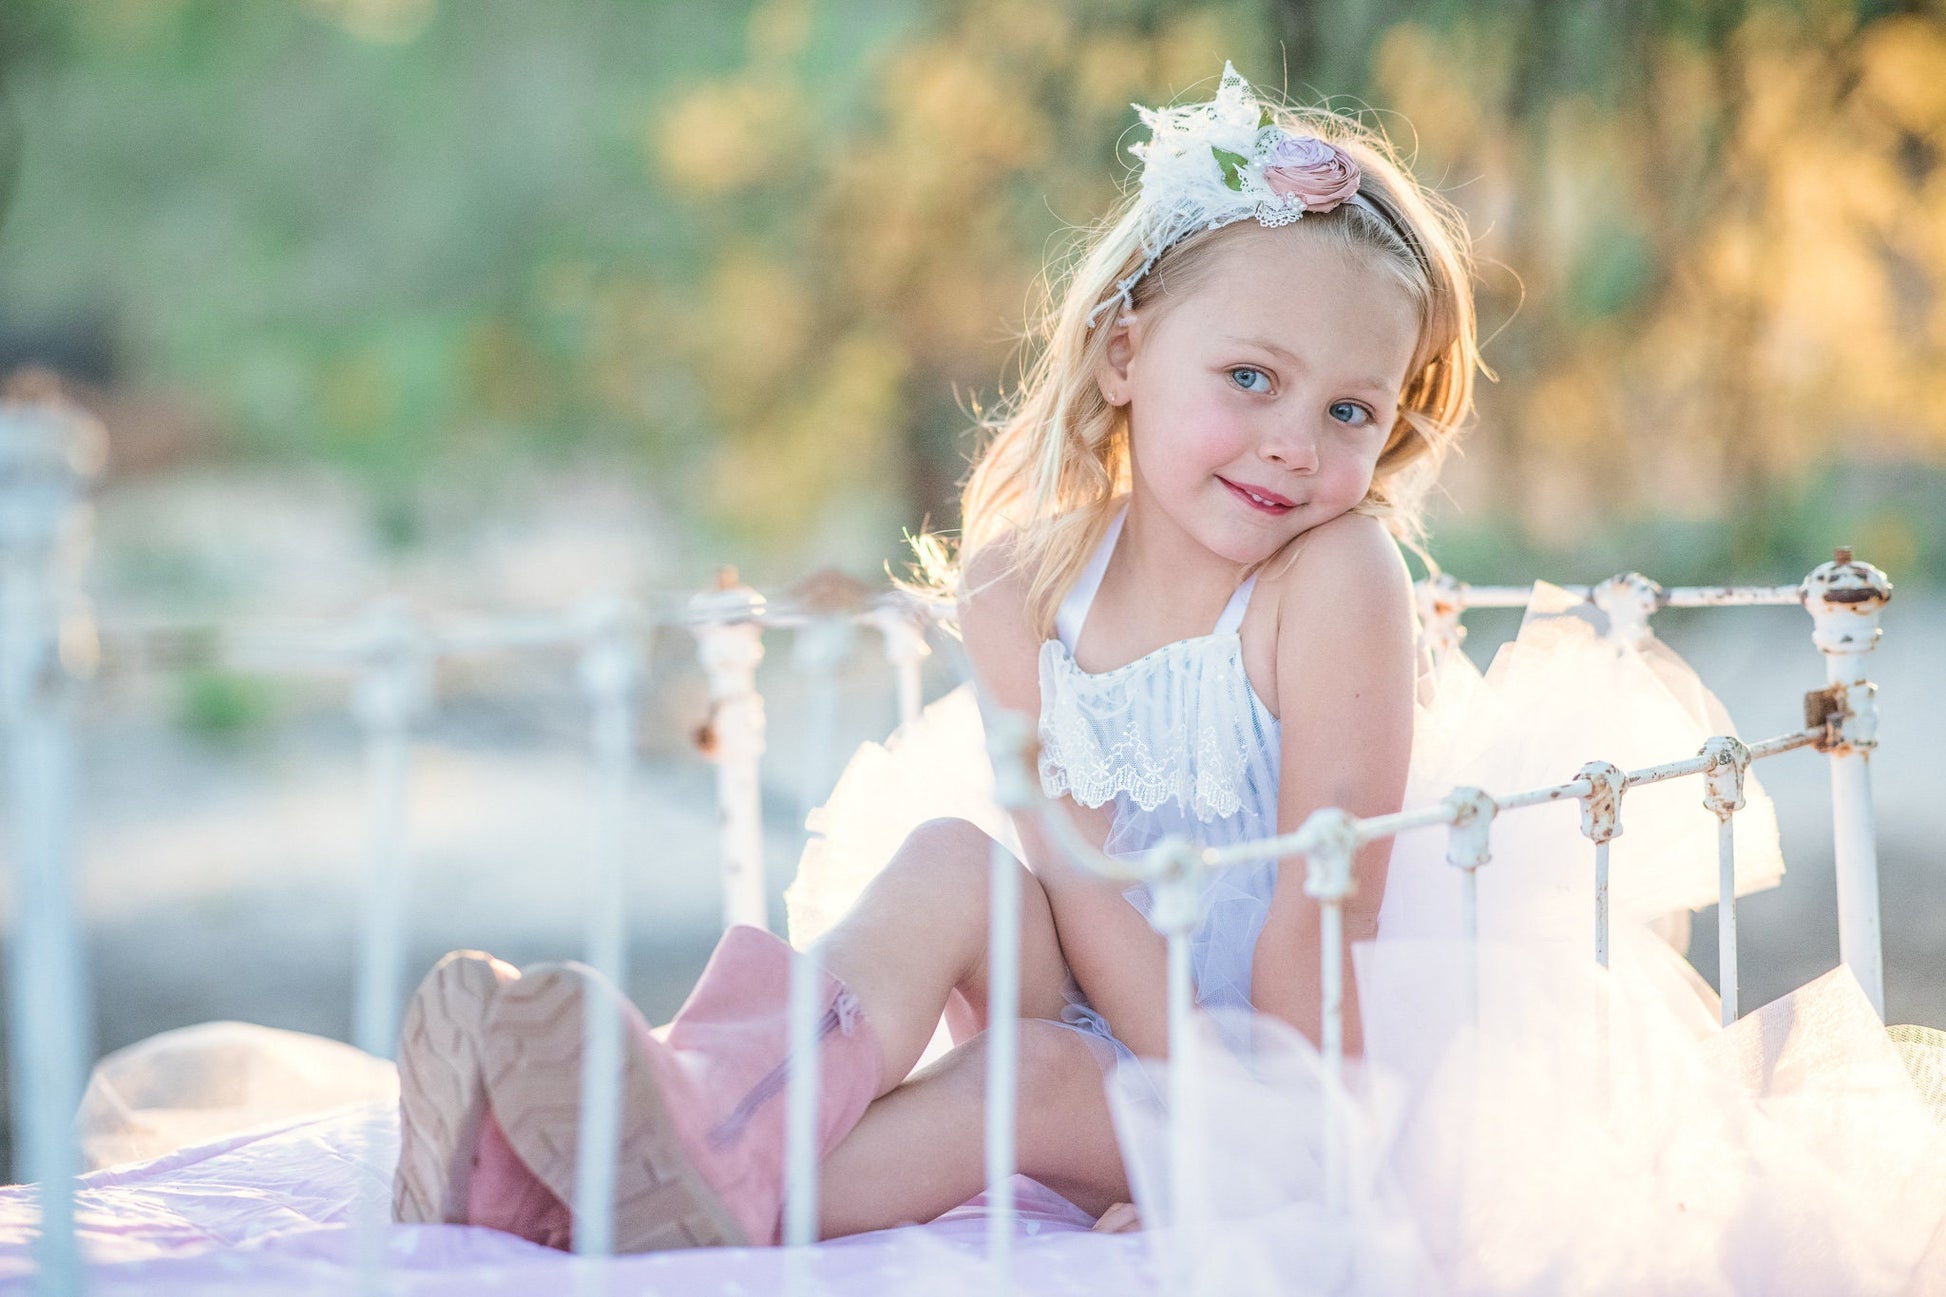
column 1175, row 725
column 1180, row 724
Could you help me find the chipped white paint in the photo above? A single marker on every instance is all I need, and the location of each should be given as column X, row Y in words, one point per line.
column 729, row 642
column 1845, row 598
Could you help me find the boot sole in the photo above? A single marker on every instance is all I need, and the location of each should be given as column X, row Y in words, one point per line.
column 535, row 1040
column 442, row 1094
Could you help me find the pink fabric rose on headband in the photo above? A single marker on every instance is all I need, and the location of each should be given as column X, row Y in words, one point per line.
column 1318, row 175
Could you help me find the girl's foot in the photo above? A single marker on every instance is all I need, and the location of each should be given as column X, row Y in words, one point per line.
column 700, row 1159
column 442, row 1097
column 533, row 1060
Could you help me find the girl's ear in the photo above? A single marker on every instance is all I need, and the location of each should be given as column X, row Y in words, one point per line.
column 1112, row 375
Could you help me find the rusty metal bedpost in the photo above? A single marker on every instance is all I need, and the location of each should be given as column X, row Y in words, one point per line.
column 1723, row 795
column 1601, row 824
column 1441, row 601
column 1178, row 891
column 1844, row 598
column 730, row 643
column 1467, row 848
column 1629, row 600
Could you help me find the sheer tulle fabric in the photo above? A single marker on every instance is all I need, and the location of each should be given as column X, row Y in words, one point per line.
column 1556, row 697
column 1589, row 1134
column 217, row 1079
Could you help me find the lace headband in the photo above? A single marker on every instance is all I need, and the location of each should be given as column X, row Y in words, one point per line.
column 1208, row 165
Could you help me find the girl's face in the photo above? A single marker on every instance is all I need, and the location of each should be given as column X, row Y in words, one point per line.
column 1259, row 399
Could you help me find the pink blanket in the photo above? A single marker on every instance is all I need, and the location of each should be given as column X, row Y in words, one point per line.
column 272, row 1211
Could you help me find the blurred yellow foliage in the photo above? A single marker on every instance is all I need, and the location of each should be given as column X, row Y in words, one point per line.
column 840, row 427
column 1710, row 240
column 911, row 241
column 1764, row 219
column 1902, row 62
column 1109, row 72
column 750, row 337
column 1440, row 85
column 956, row 117
column 723, row 136
column 1694, row 279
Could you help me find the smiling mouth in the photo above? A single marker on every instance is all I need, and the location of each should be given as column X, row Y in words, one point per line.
column 1258, row 498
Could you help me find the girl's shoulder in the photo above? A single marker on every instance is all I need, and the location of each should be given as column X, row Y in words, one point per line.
column 1340, row 589
column 992, row 585
column 1351, row 554
column 1001, row 643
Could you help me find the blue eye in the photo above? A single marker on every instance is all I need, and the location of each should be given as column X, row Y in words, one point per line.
column 1247, row 369
column 1351, row 419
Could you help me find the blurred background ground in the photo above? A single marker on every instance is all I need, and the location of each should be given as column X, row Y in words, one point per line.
column 499, row 305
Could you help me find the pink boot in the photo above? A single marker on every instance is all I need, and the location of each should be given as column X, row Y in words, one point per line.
column 442, row 1098
column 701, row 1161
column 455, row 1166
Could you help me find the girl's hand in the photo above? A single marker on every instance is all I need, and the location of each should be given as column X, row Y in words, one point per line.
column 1122, row 1218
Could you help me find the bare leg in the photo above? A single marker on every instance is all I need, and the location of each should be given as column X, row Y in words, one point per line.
column 921, row 1149
column 919, row 933
column 917, row 938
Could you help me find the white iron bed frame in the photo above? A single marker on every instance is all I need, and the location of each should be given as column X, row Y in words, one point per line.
column 49, row 646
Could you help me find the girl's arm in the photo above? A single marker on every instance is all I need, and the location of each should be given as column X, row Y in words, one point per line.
column 1345, row 673
column 1117, row 959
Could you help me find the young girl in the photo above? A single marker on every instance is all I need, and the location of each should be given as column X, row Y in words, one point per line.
column 1179, row 552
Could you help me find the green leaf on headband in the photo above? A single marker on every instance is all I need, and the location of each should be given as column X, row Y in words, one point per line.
column 1265, row 117
column 1232, row 164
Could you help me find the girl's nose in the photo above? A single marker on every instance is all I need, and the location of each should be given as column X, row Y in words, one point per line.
column 1293, row 448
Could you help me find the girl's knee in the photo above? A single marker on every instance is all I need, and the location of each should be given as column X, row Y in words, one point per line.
column 943, row 853
column 948, row 837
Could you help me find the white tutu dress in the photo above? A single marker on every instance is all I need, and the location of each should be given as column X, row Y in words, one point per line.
column 1177, row 740
column 1523, row 1121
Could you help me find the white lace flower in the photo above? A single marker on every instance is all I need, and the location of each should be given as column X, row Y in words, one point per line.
column 1205, row 166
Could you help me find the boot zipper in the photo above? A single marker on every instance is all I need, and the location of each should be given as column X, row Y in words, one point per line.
column 842, row 1013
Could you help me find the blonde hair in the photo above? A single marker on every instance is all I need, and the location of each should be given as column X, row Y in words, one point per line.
column 1057, row 455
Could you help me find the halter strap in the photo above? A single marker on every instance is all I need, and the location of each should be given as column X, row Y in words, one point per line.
column 1073, row 612
column 1239, row 604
